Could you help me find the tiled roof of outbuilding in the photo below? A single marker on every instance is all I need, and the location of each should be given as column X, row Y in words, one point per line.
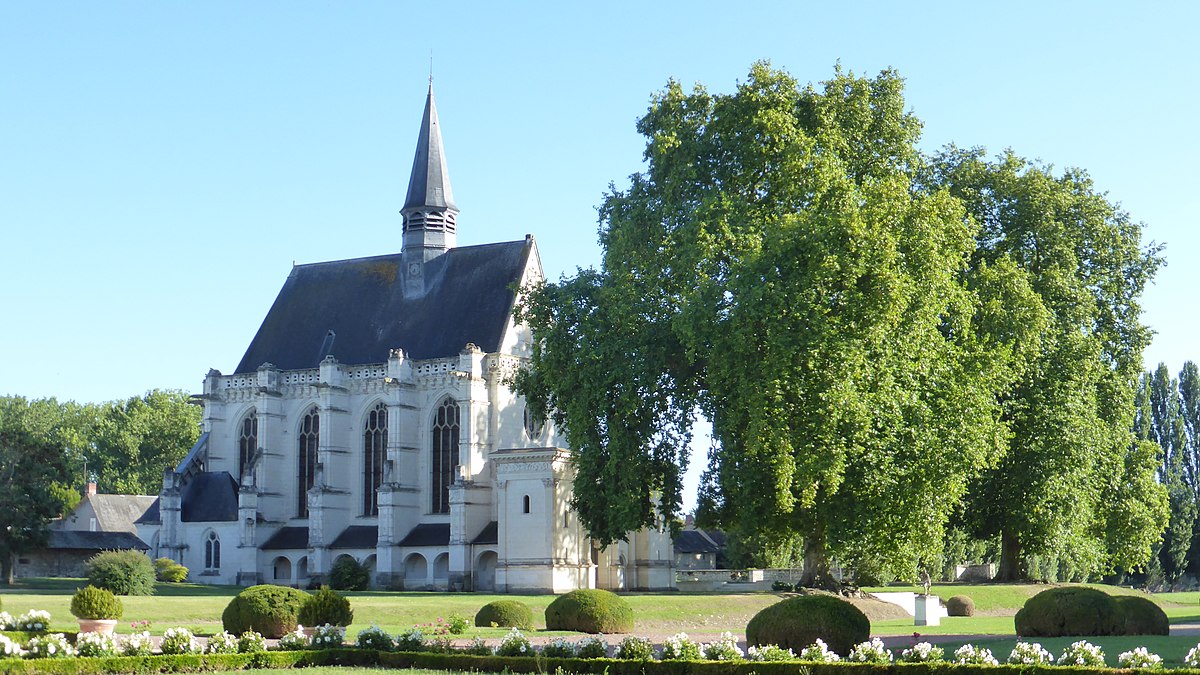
column 469, row 298
column 694, row 541
column 95, row 541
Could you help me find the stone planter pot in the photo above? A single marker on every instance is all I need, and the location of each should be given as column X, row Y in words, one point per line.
column 104, row 626
column 928, row 610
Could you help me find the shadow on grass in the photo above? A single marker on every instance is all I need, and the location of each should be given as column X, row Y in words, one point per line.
column 43, row 586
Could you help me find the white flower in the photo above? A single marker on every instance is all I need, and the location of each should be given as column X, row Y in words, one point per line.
column 1025, row 653
column 922, row 652
column 970, row 654
column 1082, row 653
column 1139, row 658
column 870, row 652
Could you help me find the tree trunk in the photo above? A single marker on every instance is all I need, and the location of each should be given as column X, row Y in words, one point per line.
column 6, row 569
column 816, row 562
column 1012, row 567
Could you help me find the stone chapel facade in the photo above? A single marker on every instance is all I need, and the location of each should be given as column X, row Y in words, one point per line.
column 372, row 417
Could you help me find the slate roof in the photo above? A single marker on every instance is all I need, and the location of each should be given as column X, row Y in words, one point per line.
column 694, row 541
column 287, row 538
column 357, row 536
column 95, row 541
column 151, row 515
column 119, row 512
column 489, row 535
column 211, row 496
column 428, row 534
column 469, row 298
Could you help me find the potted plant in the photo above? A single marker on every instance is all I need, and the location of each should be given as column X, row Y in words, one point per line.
column 325, row 607
column 97, row 609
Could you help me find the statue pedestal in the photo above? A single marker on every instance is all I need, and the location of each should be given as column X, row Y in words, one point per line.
column 928, row 611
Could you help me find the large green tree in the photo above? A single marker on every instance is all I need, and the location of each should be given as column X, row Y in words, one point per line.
column 34, row 478
column 780, row 268
column 1074, row 482
column 133, row 441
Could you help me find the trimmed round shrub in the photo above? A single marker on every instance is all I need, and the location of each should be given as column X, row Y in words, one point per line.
column 90, row 602
column 960, row 605
column 125, row 572
column 169, row 571
column 326, row 607
column 590, row 610
column 1069, row 610
column 505, row 614
column 270, row 610
column 798, row 622
column 1140, row 616
column 348, row 575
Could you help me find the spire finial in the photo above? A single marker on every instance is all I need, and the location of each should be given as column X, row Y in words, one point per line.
column 431, row 68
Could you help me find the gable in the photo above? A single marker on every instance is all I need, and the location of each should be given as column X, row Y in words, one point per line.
column 469, row 297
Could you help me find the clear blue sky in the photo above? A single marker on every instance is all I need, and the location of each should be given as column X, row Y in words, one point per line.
column 163, row 164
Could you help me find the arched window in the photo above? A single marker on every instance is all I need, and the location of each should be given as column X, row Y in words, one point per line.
column 445, row 454
column 212, row 552
column 375, row 433
column 525, row 504
column 306, row 461
column 247, row 442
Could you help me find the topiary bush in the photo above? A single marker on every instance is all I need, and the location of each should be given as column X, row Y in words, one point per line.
column 798, row 622
column 326, row 607
column 270, row 610
column 169, row 571
column 1140, row 616
column 590, row 610
column 125, row 572
column 348, row 575
column 1069, row 610
column 960, row 605
column 505, row 614
column 90, row 602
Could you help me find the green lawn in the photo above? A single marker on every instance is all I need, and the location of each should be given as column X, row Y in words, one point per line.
column 199, row 607
column 1171, row 649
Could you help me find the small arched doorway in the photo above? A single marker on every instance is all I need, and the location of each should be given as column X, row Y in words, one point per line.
column 441, row 571
column 282, row 570
column 485, row 571
column 416, row 572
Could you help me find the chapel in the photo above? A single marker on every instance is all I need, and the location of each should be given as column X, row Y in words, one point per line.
column 372, row 416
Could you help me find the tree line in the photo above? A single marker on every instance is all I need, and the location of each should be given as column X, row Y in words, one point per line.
column 50, row 449
column 1168, row 415
column 901, row 352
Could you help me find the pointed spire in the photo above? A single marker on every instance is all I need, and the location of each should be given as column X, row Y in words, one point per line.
column 430, row 201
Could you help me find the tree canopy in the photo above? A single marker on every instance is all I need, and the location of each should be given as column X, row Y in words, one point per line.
column 48, row 449
column 33, row 476
column 790, row 266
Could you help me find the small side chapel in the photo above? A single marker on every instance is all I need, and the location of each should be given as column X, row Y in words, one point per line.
column 371, row 417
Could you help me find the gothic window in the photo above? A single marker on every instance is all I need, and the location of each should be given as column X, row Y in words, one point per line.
column 375, row 433
column 212, row 552
column 445, row 454
column 306, row 459
column 247, row 442
column 533, row 424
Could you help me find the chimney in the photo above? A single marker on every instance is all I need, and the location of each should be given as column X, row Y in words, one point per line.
column 91, row 488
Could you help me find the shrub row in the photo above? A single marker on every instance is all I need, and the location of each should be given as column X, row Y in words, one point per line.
column 495, row 664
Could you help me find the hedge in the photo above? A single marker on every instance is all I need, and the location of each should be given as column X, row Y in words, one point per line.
column 497, row 664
